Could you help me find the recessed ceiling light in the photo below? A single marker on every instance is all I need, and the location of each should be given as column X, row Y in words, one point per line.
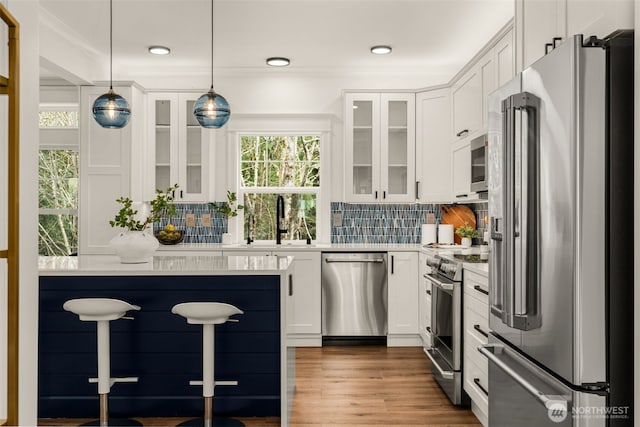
column 381, row 50
column 159, row 50
column 278, row 62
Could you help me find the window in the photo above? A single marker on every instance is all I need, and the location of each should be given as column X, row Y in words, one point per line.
column 58, row 180
column 280, row 165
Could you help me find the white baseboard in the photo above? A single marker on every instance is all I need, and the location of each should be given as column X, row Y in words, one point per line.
column 304, row 340
column 408, row 340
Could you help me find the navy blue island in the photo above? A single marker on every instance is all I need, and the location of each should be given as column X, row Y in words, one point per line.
column 159, row 347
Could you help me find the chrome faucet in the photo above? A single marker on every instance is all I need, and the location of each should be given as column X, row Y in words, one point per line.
column 279, row 216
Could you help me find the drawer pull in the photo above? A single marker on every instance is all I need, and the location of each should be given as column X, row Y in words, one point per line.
column 428, row 328
column 482, row 389
column 462, row 132
column 428, row 292
column 479, row 289
column 477, row 328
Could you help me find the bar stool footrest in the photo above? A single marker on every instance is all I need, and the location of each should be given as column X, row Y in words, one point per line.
column 199, row 382
column 112, row 381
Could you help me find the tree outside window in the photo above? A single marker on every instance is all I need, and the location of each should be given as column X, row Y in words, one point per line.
column 286, row 165
column 58, row 186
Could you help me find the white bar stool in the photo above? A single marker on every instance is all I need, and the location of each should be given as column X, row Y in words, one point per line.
column 208, row 314
column 102, row 311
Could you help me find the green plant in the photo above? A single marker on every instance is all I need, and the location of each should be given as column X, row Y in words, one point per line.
column 467, row 231
column 227, row 208
column 161, row 205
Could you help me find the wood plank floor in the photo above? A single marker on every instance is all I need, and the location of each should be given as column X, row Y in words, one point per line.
column 355, row 386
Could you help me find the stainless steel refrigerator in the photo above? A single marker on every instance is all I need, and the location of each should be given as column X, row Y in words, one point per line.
column 561, row 217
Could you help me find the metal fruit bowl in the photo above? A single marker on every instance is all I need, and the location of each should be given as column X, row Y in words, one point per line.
column 169, row 237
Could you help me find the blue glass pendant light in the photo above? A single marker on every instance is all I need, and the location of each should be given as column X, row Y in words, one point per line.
column 110, row 110
column 212, row 109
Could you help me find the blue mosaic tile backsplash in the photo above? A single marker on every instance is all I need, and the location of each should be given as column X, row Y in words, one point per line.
column 199, row 233
column 380, row 224
column 361, row 223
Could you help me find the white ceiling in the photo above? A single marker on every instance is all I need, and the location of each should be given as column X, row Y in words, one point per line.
column 320, row 36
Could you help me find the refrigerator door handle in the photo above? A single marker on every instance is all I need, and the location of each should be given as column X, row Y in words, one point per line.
column 520, row 262
column 491, row 351
column 530, row 154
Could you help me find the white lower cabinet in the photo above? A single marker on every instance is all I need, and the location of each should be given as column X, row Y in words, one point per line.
column 304, row 295
column 402, row 275
column 304, row 299
column 476, row 330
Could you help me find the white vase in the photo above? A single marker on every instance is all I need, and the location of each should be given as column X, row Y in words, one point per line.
column 134, row 247
column 465, row 242
column 227, row 239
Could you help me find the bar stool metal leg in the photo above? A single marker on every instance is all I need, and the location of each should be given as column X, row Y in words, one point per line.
column 208, row 314
column 102, row 311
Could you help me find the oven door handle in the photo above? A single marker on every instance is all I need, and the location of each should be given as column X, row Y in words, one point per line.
column 438, row 283
column 448, row 375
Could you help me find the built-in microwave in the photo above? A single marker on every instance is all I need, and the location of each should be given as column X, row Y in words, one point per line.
column 479, row 171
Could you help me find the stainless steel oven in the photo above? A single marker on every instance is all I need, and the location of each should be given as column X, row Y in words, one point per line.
column 478, row 148
column 446, row 329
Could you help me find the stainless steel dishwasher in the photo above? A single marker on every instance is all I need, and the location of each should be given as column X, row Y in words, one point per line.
column 354, row 294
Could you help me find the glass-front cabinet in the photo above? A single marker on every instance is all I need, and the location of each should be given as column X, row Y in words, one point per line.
column 179, row 147
column 380, row 147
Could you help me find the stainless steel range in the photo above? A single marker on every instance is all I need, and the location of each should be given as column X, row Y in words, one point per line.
column 446, row 325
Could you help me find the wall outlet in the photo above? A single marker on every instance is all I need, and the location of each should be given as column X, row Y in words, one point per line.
column 206, row 220
column 190, row 219
column 337, row 219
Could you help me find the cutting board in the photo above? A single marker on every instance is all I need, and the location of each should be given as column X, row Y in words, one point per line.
column 457, row 215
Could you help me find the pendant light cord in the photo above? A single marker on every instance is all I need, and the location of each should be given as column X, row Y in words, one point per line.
column 211, row 44
column 111, row 44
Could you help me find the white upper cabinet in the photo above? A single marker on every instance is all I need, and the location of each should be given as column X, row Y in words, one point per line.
column 461, row 170
column 467, row 104
column 504, row 60
column 179, row 147
column 380, row 147
column 599, row 18
column 470, row 110
column 538, row 22
column 433, row 146
column 486, row 68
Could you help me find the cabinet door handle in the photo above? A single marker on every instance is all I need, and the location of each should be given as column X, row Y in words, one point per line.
column 479, row 289
column 428, row 292
column 462, row 132
column 290, row 284
column 384, row 194
column 376, row 195
column 556, row 40
column 417, row 190
column 181, row 194
column 477, row 328
column 392, row 263
column 482, row 389
column 173, row 194
column 547, row 48
column 458, row 196
column 428, row 328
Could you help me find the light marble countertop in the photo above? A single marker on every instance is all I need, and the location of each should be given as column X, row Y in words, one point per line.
column 99, row 265
column 315, row 247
